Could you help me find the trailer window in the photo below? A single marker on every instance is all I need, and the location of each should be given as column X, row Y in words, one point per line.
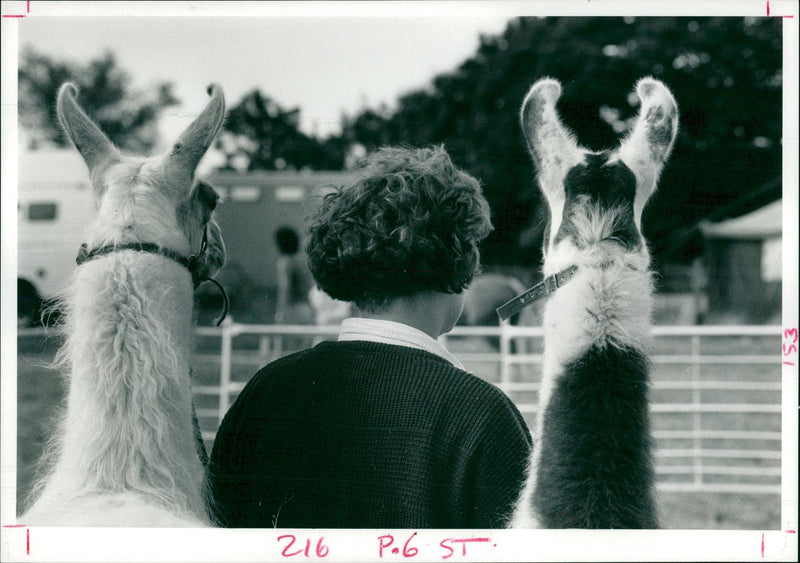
column 42, row 211
column 289, row 193
column 245, row 194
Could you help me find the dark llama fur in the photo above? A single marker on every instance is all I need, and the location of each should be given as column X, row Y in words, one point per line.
column 598, row 472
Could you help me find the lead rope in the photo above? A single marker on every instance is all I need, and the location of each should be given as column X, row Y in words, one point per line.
column 225, row 300
column 226, row 303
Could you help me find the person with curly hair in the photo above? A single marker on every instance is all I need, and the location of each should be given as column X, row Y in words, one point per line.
column 382, row 428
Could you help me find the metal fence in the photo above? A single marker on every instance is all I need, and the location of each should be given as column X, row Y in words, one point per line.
column 716, row 391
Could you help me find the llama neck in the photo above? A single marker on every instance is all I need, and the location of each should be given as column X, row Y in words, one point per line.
column 592, row 426
column 128, row 424
column 607, row 303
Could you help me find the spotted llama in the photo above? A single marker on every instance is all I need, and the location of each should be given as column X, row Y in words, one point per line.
column 592, row 466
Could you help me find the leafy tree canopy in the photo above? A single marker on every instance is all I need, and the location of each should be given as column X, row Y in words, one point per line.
column 128, row 117
column 725, row 74
column 259, row 134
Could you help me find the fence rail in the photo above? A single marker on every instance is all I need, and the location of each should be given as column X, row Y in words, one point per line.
column 740, row 453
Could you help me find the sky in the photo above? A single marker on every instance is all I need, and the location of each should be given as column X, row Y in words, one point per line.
column 323, row 64
column 324, row 58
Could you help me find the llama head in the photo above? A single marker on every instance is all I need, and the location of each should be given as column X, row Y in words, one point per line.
column 150, row 200
column 596, row 199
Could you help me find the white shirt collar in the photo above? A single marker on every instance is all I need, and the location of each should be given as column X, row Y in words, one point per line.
column 390, row 332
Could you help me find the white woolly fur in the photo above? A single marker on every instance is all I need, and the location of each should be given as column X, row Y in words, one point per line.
column 125, row 453
column 128, row 416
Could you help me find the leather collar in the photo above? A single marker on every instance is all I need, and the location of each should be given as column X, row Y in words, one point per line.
column 547, row 286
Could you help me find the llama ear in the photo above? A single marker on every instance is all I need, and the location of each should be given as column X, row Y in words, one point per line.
column 552, row 147
column 649, row 143
column 96, row 149
column 193, row 143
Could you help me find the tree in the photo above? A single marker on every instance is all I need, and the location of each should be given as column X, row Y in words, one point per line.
column 724, row 72
column 259, row 134
column 129, row 117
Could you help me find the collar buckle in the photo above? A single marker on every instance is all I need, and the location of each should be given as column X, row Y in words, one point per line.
column 550, row 285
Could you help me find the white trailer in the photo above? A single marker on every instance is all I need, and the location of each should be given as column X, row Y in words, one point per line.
column 54, row 207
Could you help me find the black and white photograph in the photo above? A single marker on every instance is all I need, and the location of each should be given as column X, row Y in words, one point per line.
column 480, row 281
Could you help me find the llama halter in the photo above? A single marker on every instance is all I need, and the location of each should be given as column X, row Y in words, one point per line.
column 191, row 263
column 547, row 286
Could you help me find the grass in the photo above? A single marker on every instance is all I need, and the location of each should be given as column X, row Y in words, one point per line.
column 40, row 391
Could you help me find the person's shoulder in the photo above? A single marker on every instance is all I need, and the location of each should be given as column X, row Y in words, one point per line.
column 283, row 371
column 428, row 364
column 291, row 362
column 476, row 387
column 487, row 402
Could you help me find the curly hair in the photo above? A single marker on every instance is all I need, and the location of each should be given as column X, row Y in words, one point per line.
column 411, row 223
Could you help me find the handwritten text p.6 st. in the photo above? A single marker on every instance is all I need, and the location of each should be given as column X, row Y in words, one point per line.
column 390, row 547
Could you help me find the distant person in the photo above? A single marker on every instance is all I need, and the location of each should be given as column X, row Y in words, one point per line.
column 382, row 428
column 294, row 280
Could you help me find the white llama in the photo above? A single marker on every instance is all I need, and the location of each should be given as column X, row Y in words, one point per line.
column 125, row 453
column 591, row 466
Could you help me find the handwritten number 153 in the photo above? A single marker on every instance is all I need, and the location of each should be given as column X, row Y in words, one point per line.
column 789, row 343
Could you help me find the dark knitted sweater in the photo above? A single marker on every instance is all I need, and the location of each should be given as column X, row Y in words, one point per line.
column 368, row 435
